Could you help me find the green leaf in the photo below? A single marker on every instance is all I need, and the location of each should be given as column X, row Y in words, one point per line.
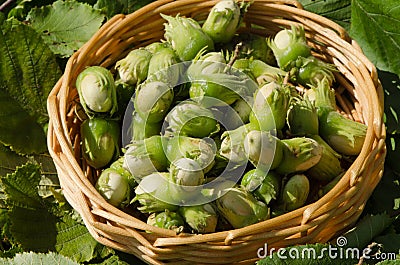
column 113, row 7
column 338, row 11
column 386, row 196
column 390, row 262
column 21, row 187
column 65, row 25
column 109, row 7
column 28, row 214
column 113, row 260
column 393, row 154
column 37, row 225
column 390, row 242
column 29, row 69
column 25, row 82
column 9, row 161
column 316, row 254
column 75, row 241
column 391, row 85
column 23, row 6
column 34, row 229
column 30, row 258
column 130, row 6
column 11, row 252
column 17, row 129
column 49, row 183
column 366, row 229
column 375, row 27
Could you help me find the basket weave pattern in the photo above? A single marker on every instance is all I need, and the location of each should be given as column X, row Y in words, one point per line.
column 359, row 97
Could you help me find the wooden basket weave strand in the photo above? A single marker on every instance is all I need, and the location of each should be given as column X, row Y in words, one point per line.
column 359, row 97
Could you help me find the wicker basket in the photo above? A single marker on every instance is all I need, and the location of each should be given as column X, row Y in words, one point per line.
column 359, row 97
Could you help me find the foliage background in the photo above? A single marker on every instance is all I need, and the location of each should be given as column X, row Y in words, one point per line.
column 36, row 39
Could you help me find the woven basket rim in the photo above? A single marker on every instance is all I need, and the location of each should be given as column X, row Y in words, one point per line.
column 352, row 188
